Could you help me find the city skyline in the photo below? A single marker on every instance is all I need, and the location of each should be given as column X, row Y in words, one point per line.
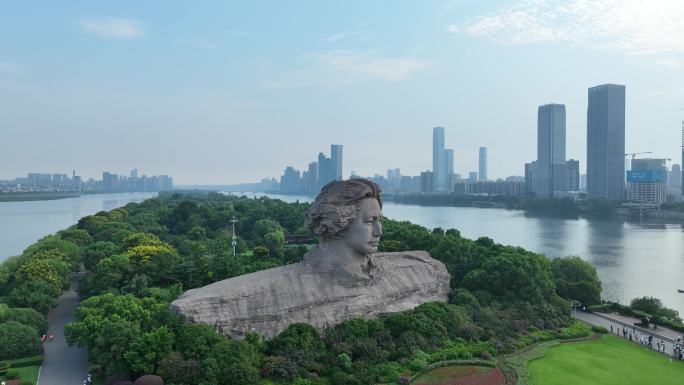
column 225, row 92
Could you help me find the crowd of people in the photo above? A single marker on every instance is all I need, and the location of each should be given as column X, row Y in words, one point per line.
column 649, row 341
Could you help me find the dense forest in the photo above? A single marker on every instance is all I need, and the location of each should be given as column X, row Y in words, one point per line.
column 138, row 258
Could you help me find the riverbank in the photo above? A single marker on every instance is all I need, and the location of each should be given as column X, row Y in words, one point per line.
column 35, row 196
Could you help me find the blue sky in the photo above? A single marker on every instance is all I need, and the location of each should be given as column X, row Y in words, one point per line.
column 224, row 92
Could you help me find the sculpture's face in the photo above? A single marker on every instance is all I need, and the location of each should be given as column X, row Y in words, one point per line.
column 363, row 235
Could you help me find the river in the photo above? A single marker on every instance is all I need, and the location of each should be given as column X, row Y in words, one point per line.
column 23, row 223
column 633, row 259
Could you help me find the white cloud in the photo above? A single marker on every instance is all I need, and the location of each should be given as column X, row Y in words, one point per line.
column 669, row 63
column 633, row 26
column 115, row 27
column 370, row 66
column 344, row 67
column 338, row 36
column 453, row 28
column 10, row 68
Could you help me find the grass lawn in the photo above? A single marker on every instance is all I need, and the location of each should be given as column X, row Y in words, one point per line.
column 28, row 373
column 607, row 361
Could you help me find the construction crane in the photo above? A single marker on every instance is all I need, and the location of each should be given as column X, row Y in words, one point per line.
column 634, row 154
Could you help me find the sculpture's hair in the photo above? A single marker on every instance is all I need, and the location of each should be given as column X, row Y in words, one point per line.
column 337, row 205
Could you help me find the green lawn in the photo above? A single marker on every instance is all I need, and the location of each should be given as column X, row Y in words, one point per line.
column 608, row 361
column 28, row 373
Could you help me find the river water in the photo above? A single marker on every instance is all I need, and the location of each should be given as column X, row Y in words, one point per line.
column 23, row 223
column 633, row 259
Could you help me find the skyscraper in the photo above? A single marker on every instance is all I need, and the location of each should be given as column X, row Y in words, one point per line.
column 336, row 161
column 676, row 177
column 324, row 170
column 606, row 142
column 483, row 163
column 438, row 157
column 530, row 177
column 448, row 169
column 573, row 175
column 551, row 174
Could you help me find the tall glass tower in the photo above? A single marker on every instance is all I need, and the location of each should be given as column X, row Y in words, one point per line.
column 482, row 171
column 606, row 142
column 438, row 155
column 336, row 161
column 551, row 167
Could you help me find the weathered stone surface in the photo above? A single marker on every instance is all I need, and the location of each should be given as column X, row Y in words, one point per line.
column 268, row 301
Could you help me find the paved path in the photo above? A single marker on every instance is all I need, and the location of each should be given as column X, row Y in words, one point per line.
column 619, row 323
column 63, row 365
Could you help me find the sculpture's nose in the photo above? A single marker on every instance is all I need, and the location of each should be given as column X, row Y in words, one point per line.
column 377, row 229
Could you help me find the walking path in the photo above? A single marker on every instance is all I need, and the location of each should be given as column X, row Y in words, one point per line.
column 618, row 323
column 63, row 365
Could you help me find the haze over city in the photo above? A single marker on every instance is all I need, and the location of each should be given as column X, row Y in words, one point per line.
column 227, row 93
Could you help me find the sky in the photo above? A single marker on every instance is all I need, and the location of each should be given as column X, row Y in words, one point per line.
column 220, row 92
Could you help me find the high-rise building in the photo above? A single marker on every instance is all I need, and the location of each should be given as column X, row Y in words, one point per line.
column 647, row 181
column 438, row 157
column 676, row 178
column 573, row 175
column 483, row 163
column 530, row 177
column 448, row 165
column 134, row 173
column 551, row 174
column 606, row 142
column 336, row 162
column 583, row 182
column 472, row 177
column 290, row 181
column 427, row 181
column 311, row 183
column 109, row 181
column 682, row 157
column 324, row 170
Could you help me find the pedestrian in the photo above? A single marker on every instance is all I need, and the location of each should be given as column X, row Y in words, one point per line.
column 52, row 338
column 611, row 329
column 42, row 338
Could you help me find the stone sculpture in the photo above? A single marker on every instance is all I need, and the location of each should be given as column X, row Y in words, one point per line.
column 341, row 278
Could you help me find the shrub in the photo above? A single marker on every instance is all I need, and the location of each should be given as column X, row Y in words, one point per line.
column 11, row 374
column 599, row 329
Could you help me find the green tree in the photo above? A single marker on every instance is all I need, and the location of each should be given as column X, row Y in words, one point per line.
column 196, row 340
column 18, row 340
column 260, row 252
column 263, row 227
column 231, row 362
column 76, row 236
column 176, row 370
column 26, row 316
column 275, row 242
column 576, row 279
column 93, row 253
column 38, row 295
column 146, row 352
column 159, row 262
column 648, row 305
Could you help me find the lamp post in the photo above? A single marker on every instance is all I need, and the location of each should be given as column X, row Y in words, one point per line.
column 234, row 241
